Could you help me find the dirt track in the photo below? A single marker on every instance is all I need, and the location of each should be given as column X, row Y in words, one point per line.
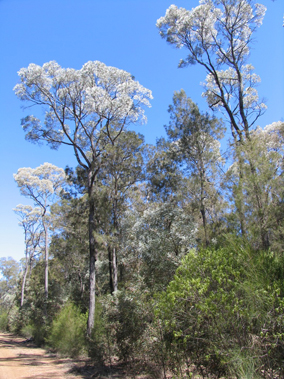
column 21, row 360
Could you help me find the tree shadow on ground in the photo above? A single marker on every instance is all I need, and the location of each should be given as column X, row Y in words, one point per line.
column 119, row 370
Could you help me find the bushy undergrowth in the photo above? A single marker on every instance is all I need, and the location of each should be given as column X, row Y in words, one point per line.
column 4, row 321
column 28, row 331
column 68, row 331
column 127, row 319
column 30, row 321
column 223, row 313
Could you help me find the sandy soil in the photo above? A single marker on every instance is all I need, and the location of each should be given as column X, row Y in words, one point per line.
column 19, row 359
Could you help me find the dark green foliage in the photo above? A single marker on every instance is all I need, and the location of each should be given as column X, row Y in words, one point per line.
column 69, row 246
column 188, row 164
column 164, row 174
column 127, row 320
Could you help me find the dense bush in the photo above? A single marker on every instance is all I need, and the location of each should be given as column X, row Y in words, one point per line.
column 67, row 334
column 223, row 313
column 127, row 319
column 4, row 321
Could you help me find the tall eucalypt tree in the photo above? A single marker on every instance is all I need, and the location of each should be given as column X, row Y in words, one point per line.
column 42, row 184
column 217, row 35
column 86, row 109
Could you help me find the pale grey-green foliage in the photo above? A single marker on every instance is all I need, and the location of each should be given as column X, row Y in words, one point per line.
column 217, row 34
column 9, row 269
column 159, row 237
column 40, row 184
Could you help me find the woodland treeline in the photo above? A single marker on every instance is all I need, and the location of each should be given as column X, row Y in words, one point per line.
column 166, row 256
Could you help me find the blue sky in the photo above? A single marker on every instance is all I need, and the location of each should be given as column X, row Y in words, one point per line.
column 120, row 33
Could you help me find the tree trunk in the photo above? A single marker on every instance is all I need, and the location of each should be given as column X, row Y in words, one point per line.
column 110, row 269
column 204, row 222
column 114, row 263
column 46, row 259
column 202, row 177
column 238, row 193
column 93, row 258
column 92, row 300
column 24, row 283
column 260, row 204
column 115, row 226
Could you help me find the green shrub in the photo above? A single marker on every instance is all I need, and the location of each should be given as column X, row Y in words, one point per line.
column 4, row 321
column 28, row 331
column 29, row 322
column 222, row 301
column 67, row 334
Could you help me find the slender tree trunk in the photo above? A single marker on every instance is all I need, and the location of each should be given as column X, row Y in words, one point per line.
column 24, row 283
column 93, row 258
column 82, row 286
column 204, row 222
column 46, row 259
column 114, row 263
column 261, row 205
column 110, row 263
column 239, row 205
column 203, row 214
column 238, row 195
column 202, row 205
column 30, row 264
column 257, row 193
column 114, row 256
